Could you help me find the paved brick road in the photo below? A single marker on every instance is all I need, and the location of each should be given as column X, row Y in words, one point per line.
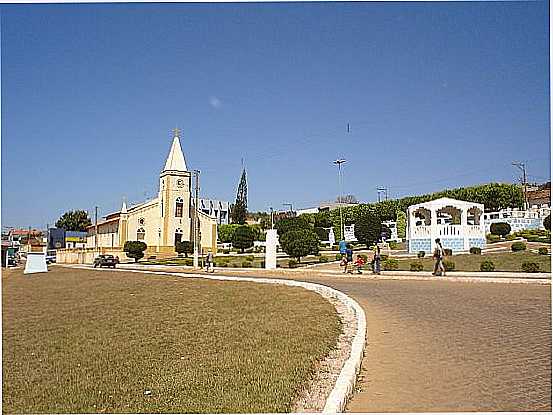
column 439, row 346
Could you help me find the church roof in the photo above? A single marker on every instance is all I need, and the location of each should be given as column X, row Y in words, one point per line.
column 175, row 160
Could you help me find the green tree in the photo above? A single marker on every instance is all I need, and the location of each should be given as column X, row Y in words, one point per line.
column 300, row 242
column 401, row 224
column 135, row 249
column 240, row 207
column 184, row 247
column 74, row 220
column 288, row 224
column 368, row 228
column 500, row 229
column 385, row 232
column 243, row 238
column 225, row 232
column 547, row 222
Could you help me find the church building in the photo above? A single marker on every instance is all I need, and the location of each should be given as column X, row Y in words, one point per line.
column 160, row 222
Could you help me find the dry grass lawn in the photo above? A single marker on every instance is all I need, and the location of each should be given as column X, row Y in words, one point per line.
column 102, row 341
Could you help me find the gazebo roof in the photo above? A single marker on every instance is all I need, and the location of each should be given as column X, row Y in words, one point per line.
column 446, row 201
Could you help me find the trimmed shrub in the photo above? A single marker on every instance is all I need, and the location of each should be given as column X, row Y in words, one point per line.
column 510, row 237
column 247, row 264
column 449, row 265
column 500, row 228
column 135, row 249
column 393, row 245
column 448, row 252
column 365, row 257
column 518, row 246
column 416, row 266
column 475, row 250
column 530, row 267
column 222, row 265
column 338, row 257
column 547, row 222
column 543, row 251
column 383, row 257
column 390, row 264
column 421, row 254
column 292, row 263
column 487, row 266
column 323, row 259
column 492, row 238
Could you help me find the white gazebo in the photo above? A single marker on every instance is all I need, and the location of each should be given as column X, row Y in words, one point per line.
column 458, row 224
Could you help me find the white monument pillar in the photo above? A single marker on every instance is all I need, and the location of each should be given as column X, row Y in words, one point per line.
column 433, row 228
column 271, row 243
column 331, row 237
column 36, row 262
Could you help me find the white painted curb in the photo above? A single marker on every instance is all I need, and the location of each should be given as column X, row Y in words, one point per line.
column 344, row 387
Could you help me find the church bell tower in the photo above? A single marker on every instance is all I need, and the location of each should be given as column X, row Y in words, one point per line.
column 174, row 197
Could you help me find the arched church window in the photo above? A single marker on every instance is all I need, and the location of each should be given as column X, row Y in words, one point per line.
column 178, row 235
column 179, row 207
column 140, row 234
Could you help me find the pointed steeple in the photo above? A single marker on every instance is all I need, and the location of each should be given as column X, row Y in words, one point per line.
column 175, row 160
column 124, row 206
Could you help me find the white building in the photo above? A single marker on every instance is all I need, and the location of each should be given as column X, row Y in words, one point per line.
column 518, row 219
column 217, row 209
column 458, row 224
column 392, row 225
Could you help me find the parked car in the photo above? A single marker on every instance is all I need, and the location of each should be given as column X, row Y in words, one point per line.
column 105, row 261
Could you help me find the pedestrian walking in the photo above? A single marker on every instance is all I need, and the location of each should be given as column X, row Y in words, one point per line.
column 376, row 259
column 349, row 258
column 439, row 257
column 344, row 264
column 209, row 262
column 359, row 262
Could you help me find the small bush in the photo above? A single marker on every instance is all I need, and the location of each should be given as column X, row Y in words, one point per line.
column 530, row 267
column 518, row 246
column 222, row 265
column 448, row 252
column 235, row 265
column 323, row 259
column 421, row 254
column 475, row 250
column 393, row 245
column 365, row 257
column 338, row 257
column 510, row 237
column 292, row 263
column 543, row 251
column 487, row 266
column 416, row 266
column 449, row 265
column 226, row 251
column 500, row 228
column 247, row 264
column 383, row 257
column 492, row 238
column 390, row 264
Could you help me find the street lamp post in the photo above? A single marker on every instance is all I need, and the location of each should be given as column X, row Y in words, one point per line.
column 339, row 162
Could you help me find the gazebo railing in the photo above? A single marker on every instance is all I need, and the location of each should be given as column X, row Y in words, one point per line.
column 445, row 231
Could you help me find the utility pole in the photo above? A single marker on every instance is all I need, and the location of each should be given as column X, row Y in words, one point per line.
column 272, row 222
column 96, row 227
column 339, row 162
column 195, row 218
column 522, row 167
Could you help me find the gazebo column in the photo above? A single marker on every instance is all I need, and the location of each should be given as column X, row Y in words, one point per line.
column 464, row 229
column 433, row 228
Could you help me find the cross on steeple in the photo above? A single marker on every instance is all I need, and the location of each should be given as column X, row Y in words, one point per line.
column 176, row 132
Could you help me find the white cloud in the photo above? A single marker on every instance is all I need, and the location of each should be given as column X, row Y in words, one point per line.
column 215, row 102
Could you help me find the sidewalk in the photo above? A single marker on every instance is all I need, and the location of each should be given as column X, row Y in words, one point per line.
column 456, row 276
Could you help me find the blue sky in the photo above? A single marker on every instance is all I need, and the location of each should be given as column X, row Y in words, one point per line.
column 437, row 95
